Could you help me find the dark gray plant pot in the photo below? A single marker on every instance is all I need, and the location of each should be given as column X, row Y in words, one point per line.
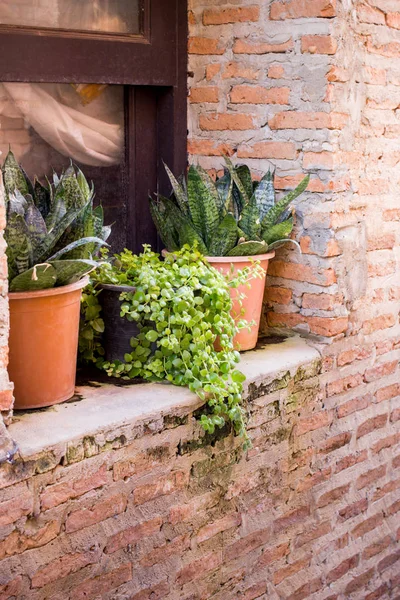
column 118, row 330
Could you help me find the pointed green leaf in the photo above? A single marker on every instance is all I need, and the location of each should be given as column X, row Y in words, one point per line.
column 225, row 237
column 73, row 195
column 188, row 235
column 84, row 186
column 37, row 230
column 179, row 192
column 265, row 194
column 203, row 202
column 164, row 224
column 274, row 213
column 250, row 248
column 16, row 234
column 94, row 241
column 278, row 231
column 24, row 258
column 70, row 271
column 42, row 198
column 249, row 221
column 237, row 180
column 13, row 176
column 39, row 277
column 224, row 187
column 243, row 172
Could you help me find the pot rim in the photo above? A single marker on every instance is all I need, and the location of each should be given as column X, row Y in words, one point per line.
column 112, row 287
column 240, row 259
column 56, row 291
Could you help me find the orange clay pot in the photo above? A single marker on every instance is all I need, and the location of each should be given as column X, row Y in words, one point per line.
column 44, row 328
column 251, row 307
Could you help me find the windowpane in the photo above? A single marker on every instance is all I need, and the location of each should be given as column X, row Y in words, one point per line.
column 47, row 124
column 101, row 16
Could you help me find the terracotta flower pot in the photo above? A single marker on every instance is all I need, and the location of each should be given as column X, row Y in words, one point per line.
column 44, row 328
column 251, row 307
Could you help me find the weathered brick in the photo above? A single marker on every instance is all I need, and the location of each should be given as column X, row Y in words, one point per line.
column 298, row 515
column 246, row 47
column 100, row 512
column 61, row 567
column 313, row 533
column 380, row 371
column 204, row 45
column 221, row 16
column 367, row 525
column 359, row 582
column 196, row 569
column 59, row 493
column 315, row 421
column 291, row 569
column 377, row 547
column 292, row 119
column 133, row 534
column 350, row 461
column 252, row 94
column 318, row 44
column 295, row 9
column 227, row 522
column 353, row 510
column 285, row 150
column 247, row 544
column 352, row 406
column 14, row 509
column 333, row 495
column 226, row 121
column 371, row 425
column 334, row 443
column 163, row 486
column 92, row 588
column 370, row 477
column 204, row 94
column 344, row 567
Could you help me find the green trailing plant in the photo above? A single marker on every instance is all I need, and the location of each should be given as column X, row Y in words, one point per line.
column 52, row 232
column 233, row 216
column 182, row 306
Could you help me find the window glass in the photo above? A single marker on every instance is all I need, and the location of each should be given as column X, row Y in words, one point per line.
column 46, row 124
column 101, row 16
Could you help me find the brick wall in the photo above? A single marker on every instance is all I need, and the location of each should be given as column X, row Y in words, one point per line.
column 156, row 511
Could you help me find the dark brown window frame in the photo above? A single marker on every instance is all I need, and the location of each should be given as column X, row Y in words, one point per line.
column 153, row 66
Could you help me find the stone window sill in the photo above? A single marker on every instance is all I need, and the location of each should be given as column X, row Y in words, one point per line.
column 108, row 416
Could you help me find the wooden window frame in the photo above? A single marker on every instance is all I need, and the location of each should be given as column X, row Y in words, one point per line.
column 152, row 65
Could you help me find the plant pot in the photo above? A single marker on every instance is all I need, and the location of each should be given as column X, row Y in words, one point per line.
column 44, row 328
column 251, row 307
column 118, row 331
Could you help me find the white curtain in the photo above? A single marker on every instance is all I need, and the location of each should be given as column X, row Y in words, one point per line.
column 91, row 134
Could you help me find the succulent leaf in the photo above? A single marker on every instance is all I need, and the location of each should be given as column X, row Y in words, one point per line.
column 278, row 231
column 274, row 213
column 225, row 237
column 179, row 192
column 250, row 248
column 265, row 194
column 70, row 271
column 39, row 277
column 13, row 176
column 203, row 202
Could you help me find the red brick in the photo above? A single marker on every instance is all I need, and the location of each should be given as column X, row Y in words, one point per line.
column 271, row 555
column 59, row 493
column 310, row 481
column 93, row 588
column 378, row 593
column 226, row 121
column 318, row 44
column 61, row 567
column 352, row 406
column 247, row 544
column 334, row 443
column 246, row 47
column 359, row 582
column 306, row 590
column 377, row 547
column 133, row 534
column 240, row 70
column 333, row 496
column 392, row 214
column 386, row 489
column 344, row 567
column 353, row 510
column 291, row 569
column 160, row 554
column 17, row 542
column 315, row 421
column 14, row 509
column 199, row 567
column 292, row 119
column 155, row 592
column 204, row 45
column 343, row 385
column 370, row 477
column 203, row 94
column 212, row 70
column 378, row 323
column 313, row 533
column 6, row 400
column 374, row 76
column 227, row 522
column 338, row 74
column 388, row 561
column 396, row 462
column 367, row 525
column 356, row 353
column 371, row 425
column 319, row 301
column 204, row 147
column 276, row 72
column 221, row 16
column 393, row 508
column 285, row 150
column 350, row 461
column 252, row 94
column 319, row 160
column 380, row 371
column 164, row 485
column 100, row 512
column 393, row 20
column 369, row 14
column 296, row 9
column 395, row 415
column 382, row 242
column 298, row 515
column 387, row 442
column 12, row 589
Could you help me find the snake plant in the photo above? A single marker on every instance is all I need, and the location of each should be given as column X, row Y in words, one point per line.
column 52, row 232
column 233, row 216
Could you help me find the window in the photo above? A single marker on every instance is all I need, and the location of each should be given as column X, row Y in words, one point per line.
column 62, row 66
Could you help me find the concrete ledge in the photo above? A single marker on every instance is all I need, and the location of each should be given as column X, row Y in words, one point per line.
column 110, row 411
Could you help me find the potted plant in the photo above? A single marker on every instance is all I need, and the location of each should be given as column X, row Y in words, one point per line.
column 235, row 222
column 177, row 308
column 52, row 233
